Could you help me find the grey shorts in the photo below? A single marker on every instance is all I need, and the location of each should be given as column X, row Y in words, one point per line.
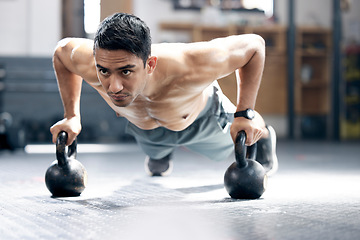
column 208, row 135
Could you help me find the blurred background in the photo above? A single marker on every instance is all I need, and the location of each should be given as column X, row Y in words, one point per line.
column 310, row 88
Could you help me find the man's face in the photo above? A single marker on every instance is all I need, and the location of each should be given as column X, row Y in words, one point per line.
column 122, row 75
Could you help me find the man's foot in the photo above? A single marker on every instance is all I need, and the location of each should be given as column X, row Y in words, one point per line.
column 158, row 167
column 266, row 152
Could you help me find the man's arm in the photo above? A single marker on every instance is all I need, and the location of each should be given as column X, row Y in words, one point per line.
column 72, row 61
column 244, row 54
column 249, row 78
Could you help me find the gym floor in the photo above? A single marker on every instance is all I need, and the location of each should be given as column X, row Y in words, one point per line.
column 314, row 195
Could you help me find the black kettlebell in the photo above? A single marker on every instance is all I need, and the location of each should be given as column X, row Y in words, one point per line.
column 66, row 177
column 245, row 178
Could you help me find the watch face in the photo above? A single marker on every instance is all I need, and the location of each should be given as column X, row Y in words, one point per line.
column 250, row 113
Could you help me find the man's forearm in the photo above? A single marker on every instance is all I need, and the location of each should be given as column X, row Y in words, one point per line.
column 69, row 86
column 249, row 79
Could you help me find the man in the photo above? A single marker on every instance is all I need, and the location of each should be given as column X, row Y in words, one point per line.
column 168, row 91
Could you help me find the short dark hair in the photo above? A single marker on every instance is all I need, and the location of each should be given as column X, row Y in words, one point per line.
column 122, row 31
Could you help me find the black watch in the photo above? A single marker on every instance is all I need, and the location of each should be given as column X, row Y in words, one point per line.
column 248, row 113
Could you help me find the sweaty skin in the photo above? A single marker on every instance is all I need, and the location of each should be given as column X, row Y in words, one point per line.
column 169, row 91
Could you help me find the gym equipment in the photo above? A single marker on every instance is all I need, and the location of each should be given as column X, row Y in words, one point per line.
column 245, row 178
column 66, row 177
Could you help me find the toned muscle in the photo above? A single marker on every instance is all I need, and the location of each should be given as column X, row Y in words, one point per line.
column 177, row 90
column 173, row 97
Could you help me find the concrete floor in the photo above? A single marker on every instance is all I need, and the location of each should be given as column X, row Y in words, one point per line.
column 315, row 195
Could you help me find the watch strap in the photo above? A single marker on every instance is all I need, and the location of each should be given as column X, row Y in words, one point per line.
column 240, row 114
column 243, row 114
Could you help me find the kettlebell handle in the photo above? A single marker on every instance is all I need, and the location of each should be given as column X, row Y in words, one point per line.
column 241, row 150
column 60, row 149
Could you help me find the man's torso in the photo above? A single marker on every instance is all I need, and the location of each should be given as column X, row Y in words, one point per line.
column 179, row 92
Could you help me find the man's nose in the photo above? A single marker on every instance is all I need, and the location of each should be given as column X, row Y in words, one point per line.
column 115, row 84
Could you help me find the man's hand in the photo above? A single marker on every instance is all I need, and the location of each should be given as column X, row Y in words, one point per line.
column 70, row 125
column 254, row 128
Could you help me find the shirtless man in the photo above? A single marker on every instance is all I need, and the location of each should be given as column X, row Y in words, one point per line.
column 167, row 91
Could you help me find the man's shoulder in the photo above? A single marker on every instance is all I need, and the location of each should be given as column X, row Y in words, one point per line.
column 181, row 53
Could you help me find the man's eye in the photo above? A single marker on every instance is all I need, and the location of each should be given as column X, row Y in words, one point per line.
column 126, row 72
column 103, row 71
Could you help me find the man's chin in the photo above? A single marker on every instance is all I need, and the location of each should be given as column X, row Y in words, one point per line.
column 121, row 103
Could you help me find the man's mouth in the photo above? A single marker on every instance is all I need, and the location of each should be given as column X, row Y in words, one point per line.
column 118, row 97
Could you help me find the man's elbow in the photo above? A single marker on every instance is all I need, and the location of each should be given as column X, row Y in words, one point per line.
column 260, row 39
column 259, row 43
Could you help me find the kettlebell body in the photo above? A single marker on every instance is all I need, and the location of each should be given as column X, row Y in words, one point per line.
column 68, row 181
column 245, row 178
column 66, row 176
column 245, row 182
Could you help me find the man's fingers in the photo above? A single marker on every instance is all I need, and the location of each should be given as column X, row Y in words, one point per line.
column 71, row 139
column 55, row 132
column 253, row 136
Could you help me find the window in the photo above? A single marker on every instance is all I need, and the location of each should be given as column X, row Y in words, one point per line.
column 92, row 15
column 265, row 6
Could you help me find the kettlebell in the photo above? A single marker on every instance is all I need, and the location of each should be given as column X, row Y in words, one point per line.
column 66, row 176
column 245, row 178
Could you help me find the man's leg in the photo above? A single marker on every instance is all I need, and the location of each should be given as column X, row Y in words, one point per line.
column 213, row 142
column 158, row 161
column 159, row 167
column 266, row 147
column 158, row 144
column 266, row 152
column 217, row 144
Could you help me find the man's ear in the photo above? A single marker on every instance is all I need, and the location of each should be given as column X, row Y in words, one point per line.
column 151, row 64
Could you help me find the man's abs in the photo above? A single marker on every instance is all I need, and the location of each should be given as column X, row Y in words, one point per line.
column 173, row 115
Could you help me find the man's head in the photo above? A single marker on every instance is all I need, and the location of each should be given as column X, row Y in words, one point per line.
column 126, row 32
column 122, row 48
